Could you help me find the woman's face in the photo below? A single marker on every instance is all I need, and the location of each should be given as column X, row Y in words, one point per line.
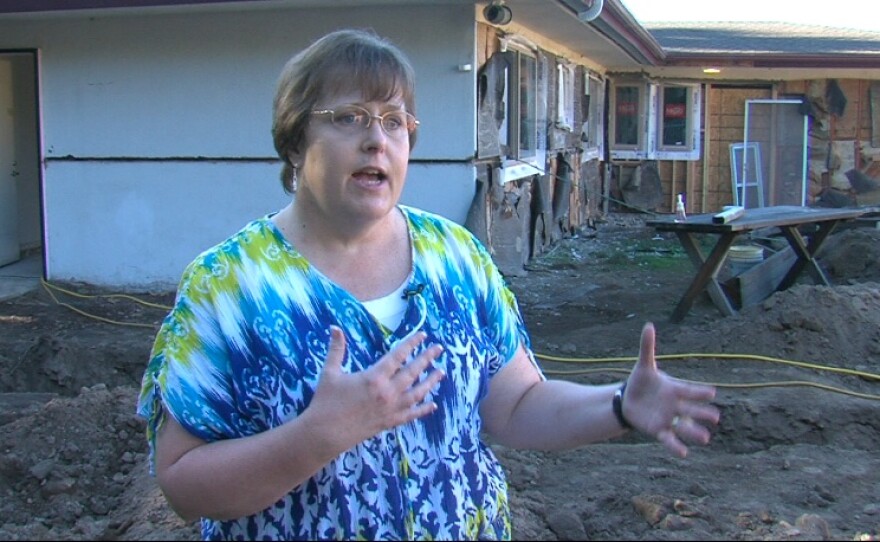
column 347, row 170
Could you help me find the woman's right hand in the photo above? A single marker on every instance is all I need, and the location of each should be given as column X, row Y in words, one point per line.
column 347, row 409
column 390, row 393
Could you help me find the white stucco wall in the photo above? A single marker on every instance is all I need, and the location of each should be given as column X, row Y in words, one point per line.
column 143, row 224
column 156, row 128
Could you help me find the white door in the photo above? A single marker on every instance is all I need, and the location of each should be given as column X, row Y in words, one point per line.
column 9, row 243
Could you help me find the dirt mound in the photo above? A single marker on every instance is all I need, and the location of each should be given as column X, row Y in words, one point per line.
column 852, row 255
column 833, row 325
column 793, row 459
column 75, row 468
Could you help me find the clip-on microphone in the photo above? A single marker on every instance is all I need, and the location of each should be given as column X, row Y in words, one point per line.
column 413, row 291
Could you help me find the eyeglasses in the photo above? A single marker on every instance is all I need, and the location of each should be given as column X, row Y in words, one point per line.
column 353, row 119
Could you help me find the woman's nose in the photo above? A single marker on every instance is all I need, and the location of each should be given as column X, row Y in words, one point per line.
column 375, row 136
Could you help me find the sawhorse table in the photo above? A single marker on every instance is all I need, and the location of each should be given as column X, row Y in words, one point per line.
column 789, row 219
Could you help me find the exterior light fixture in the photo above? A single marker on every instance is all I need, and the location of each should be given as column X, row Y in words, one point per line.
column 498, row 13
column 593, row 9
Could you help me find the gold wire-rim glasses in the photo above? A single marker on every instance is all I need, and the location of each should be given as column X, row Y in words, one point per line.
column 353, row 118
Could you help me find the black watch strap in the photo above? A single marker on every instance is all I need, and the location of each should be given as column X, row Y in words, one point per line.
column 617, row 406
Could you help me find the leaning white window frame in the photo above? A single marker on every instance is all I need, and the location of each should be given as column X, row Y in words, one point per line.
column 629, row 129
column 592, row 142
column 526, row 154
column 677, row 121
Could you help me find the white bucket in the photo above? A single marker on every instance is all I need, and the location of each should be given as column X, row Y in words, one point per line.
column 743, row 257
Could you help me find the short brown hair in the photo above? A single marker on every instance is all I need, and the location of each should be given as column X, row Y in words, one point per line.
column 339, row 61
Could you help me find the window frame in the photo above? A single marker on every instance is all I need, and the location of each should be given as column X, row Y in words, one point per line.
column 651, row 116
column 565, row 77
column 690, row 149
column 519, row 162
column 593, row 125
column 639, row 149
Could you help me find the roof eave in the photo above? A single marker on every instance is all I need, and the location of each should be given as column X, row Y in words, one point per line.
column 618, row 25
column 775, row 60
column 36, row 6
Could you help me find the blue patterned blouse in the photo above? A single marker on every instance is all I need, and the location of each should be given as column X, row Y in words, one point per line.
column 242, row 350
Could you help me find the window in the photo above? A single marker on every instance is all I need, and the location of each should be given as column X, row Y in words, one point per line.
column 565, row 97
column 629, row 120
column 674, row 117
column 655, row 121
column 627, row 101
column 678, row 112
column 519, row 133
column 593, row 109
column 524, row 84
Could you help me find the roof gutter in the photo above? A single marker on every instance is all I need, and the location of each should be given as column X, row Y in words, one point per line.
column 617, row 24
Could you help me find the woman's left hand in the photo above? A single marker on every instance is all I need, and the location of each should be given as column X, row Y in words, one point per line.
column 673, row 411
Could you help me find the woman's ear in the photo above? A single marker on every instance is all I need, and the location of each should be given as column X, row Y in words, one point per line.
column 294, row 158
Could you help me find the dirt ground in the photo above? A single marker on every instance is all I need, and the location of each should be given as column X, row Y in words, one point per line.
column 794, row 457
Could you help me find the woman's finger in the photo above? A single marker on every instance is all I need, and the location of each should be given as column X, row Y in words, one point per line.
column 335, row 350
column 413, row 369
column 646, row 346
column 670, row 440
column 691, row 391
column 700, row 413
column 400, row 353
column 420, row 389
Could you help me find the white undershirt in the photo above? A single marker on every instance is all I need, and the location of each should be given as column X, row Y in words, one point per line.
column 389, row 310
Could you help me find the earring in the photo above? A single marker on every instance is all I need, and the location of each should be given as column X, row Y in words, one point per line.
column 294, row 180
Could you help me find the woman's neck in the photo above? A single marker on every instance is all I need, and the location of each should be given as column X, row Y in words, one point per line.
column 367, row 259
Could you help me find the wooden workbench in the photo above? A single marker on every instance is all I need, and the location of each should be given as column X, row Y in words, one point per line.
column 789, row 219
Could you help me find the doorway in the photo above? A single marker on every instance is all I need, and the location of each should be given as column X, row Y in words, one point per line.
column 20, row 173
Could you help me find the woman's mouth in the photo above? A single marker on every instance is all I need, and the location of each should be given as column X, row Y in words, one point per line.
column 369, row 176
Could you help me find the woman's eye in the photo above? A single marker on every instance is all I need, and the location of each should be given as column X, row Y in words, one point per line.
column 348, row 118
column 392, row 122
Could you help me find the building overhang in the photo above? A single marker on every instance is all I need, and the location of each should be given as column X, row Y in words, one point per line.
column 613, row 39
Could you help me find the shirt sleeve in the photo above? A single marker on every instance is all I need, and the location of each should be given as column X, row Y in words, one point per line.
column 187, row 375
column 504, row 320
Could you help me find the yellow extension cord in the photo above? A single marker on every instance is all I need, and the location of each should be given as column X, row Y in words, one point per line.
column 788, row 383
column 49, row 287
column 753, row 357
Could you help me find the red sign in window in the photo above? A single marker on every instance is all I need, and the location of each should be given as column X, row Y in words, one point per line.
column 675, row 111
column 627, row 108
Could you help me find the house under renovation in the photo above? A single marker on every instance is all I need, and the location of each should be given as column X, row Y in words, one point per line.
column 135, row 133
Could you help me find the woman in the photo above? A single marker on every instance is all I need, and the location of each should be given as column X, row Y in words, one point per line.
column 328, row 371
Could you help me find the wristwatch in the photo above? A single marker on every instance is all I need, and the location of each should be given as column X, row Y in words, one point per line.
column 617, row 406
